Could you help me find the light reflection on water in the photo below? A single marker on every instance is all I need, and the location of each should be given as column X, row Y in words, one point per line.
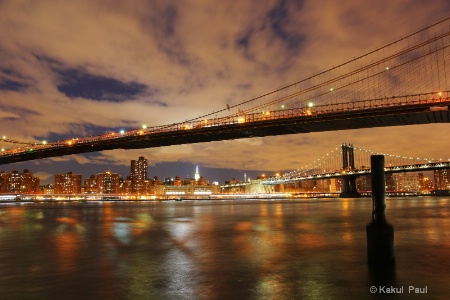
column 258, row 249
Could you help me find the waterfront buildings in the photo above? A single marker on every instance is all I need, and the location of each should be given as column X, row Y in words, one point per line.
column 138, row 183
column 68, row 183
column 17, row 182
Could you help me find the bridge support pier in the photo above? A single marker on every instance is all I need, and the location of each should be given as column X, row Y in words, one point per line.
column 348, row 163
column 380, row 234
column 349, row 189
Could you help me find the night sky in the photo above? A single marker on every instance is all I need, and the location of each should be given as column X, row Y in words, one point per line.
column 77, row 68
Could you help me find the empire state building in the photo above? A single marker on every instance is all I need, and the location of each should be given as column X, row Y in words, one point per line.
column 197, row 175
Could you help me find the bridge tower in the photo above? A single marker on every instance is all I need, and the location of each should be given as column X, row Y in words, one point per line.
column 348, row 163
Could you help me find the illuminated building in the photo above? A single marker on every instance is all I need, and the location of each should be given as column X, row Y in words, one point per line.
column 442, row 179
column 126, row 186
column 150, row 187
column 426, row 184
column 68, row 183
column 190, row 181
column 187, row 190
column 48, row 189
column 139, row 169
column 197, row 186
column 390, row 184
column 90, row 185
column 3, row 181
column 108, row 183
column 16, row 182
column 364, row 183
column 333, row 185
column 168, row 181
column 197, row 175
column 406, row 182
column 202, row 181
column 177, row 181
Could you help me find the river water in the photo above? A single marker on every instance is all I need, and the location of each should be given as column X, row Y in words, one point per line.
column 213, row 249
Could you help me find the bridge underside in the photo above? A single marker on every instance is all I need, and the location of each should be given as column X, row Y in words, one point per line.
column 382, row 117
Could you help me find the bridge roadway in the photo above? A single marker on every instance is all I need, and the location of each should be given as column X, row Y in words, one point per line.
column 395, row 111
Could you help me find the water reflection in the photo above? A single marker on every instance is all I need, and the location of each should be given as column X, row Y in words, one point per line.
column 308, row 249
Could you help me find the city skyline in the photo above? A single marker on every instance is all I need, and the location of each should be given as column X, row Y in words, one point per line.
column 195, row 173
column 138, row 174
column 185, row 63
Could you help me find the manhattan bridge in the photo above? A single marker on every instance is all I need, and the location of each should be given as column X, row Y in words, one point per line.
column 405, row 82
column 347, row 162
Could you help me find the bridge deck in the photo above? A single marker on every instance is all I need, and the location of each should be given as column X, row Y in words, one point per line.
column 293, row 121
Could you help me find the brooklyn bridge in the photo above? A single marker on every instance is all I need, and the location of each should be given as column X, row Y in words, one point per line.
column 406, row 82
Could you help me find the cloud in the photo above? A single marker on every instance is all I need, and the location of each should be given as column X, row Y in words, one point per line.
column 43, row 176
column 70, row 69
column 80, row 159
column 6, row 115
column 79, row 84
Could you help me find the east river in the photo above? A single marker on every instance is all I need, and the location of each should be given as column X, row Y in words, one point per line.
column 221, row 249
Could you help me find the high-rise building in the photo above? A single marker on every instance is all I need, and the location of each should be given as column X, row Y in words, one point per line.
column 442, row 179
column 68, row 183
column 16, row 182
column 197, row 175
column 90, row 185
column 406, row 182
column 426, row 184
column 389, row 181
column 139, row 171
column 108, row 183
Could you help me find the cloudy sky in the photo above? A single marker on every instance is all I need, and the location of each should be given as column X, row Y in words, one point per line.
column 77, row 68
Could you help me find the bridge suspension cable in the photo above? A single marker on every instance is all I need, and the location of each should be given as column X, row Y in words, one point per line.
column 414, row 64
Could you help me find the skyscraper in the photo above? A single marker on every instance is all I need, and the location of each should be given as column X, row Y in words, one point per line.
column 442, row 179
column 139, row 171
column 197, row 175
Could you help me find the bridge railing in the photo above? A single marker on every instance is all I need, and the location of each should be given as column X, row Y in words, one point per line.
column 428, row 98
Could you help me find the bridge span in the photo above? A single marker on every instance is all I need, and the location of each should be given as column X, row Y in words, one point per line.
column 395, row 111
column 346, row 164
column 405, row 82
column 360, row 172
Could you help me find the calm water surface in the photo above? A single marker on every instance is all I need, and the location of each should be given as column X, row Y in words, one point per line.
column 243, row 249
